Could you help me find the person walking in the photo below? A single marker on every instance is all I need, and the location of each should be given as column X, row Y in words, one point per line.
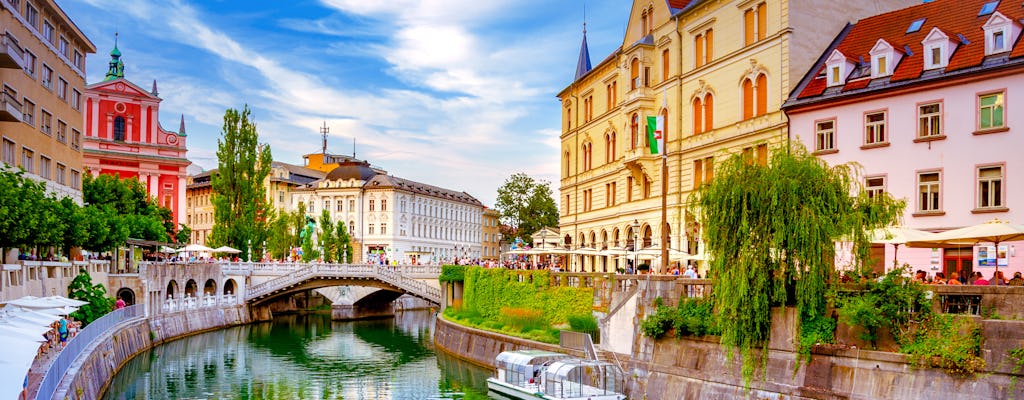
column 62, row 330
column 119, row 304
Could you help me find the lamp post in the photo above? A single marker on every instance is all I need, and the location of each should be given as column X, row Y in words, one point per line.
column 636, row 237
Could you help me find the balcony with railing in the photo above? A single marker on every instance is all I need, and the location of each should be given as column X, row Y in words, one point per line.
column 11, row 54
column 10, row 107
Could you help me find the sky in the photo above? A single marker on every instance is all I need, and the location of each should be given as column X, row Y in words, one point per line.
column 459, row 94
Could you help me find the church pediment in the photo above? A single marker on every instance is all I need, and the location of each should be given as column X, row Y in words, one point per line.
column 122, row 87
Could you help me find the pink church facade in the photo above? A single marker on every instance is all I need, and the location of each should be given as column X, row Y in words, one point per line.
column 933, row 117
column 123, row 137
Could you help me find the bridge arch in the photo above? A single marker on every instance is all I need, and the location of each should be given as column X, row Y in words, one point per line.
column 210, row 288
column 230, row 287
column 190, row 288
column 127, row 295
column 172, row 289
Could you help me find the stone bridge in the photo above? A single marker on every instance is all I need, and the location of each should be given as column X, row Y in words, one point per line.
column 284, row 279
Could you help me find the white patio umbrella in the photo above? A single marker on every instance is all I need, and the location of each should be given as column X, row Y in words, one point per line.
column 16, row 360
column 194, row 247
column 226, row 249
column 897, row 235
column 65, row 310
column 66, row 301
column 994, row 231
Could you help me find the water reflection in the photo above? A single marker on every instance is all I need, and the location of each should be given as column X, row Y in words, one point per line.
column 307, row 357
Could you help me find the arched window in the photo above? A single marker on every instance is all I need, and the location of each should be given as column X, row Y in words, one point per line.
column 566, row 170
column 634, row 131
column 748, row 99
column 612, row 147
column 762, row 95
column 698, row 116
column 709, row 112
column 634, row 74
column 119, row 128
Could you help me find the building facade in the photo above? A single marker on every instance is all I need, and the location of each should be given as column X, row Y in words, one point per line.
column 490, row 239
column 395, row 218
column 124, row 138
column 279, row 184
column 716, row 73
column 920, row 99
column 42, row 66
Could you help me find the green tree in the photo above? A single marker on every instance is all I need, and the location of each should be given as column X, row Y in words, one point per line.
column 771, row 233
column 526, row 206
column 20, row 200
column 82, row 288
column 183, row 235
column 127, row 205
column 240, row 206
column 343, row 243
column 327, row 242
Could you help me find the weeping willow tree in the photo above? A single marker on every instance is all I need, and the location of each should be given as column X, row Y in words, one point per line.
column 771, row 232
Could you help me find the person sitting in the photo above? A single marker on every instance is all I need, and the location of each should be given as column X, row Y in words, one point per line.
column 1017, row 280
column 954, row 279
column 998, row 279
column 920, row 276
column 940, row 278
column 979, row 280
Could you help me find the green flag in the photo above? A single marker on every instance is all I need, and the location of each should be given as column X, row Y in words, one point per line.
column 655, row 136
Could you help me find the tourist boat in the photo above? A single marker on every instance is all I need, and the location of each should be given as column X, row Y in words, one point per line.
column 535, row 374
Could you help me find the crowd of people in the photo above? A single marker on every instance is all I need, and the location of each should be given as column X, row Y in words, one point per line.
column 977, row 278
column 60, row 332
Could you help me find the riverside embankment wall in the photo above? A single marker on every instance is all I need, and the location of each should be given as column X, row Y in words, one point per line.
column 90, row 375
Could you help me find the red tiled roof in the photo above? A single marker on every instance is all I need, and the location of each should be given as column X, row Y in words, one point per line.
column 679, row 4
column 953, row 17
column 857, row 84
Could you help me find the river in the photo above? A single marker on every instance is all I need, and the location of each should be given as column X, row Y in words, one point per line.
column 304, row 357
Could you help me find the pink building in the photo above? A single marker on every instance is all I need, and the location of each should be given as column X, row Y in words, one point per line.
column 123, row 137
column 920, row 98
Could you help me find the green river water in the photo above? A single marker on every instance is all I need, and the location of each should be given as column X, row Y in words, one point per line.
column 304, row 357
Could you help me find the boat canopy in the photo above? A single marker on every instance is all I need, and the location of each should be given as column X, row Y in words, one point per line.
column 520, row 366
column 571, row 378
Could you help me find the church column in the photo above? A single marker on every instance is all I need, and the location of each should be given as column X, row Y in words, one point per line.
column 153, row 182
column 180, row 206
column 145, row 135
column 95, row 118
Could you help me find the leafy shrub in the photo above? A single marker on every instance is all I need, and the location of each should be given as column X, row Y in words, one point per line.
column 583, row 323
column 523, row 319
column 891, row 303
column 948, row 342
column 693, row 317
column 452, row 273
column 814, row 331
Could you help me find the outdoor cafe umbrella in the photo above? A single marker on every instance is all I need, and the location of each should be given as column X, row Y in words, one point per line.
column 897, row 235
column 226, row 249
column 994, row 231
column 194, row 247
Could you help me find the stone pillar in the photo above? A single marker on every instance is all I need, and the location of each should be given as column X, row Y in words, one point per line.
column 153, row 185
column 180, row 206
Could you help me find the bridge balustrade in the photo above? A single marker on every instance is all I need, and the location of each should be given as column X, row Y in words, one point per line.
column 401, row 276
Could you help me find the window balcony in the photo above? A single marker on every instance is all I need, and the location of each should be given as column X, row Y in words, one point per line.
column 10, row 108
column 11, row 54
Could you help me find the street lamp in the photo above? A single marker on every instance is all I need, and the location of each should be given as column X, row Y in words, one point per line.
column 636, row 238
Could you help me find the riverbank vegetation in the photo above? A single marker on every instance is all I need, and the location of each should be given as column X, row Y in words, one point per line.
column 519, row 303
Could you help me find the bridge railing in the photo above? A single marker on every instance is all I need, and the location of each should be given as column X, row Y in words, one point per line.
column 278, row 269
column 403, row 277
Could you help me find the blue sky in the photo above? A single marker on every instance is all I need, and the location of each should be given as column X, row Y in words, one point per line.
column 453, row 93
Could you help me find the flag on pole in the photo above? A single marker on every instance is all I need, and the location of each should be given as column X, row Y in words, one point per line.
column 655, row 134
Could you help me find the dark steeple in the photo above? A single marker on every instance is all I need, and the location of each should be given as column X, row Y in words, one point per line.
column 116, row 68
column 181, row 129
column 154, row 91
column 583, row 65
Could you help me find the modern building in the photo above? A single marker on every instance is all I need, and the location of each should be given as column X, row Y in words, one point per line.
column 920, row 98
column 490, row 239
column 282, row 180
column 403, row 220
column 42, row 66
column 124, row 138
column 716, row 73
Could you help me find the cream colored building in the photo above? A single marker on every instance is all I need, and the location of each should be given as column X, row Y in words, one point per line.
column 490, row 238
column 279, row 184
column 718, row 73
column 42, row 66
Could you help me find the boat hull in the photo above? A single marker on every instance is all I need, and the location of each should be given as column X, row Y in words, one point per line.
column 516, row 392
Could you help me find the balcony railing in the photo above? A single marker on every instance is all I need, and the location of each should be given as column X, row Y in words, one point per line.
column 10, row 107
column 11, row 54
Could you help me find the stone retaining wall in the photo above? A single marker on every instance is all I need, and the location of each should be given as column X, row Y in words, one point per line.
column 481, row 347
column 89, row 376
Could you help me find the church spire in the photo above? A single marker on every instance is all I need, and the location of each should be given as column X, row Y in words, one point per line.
column 154, row 91
column 583, row 65
column 116, row 66
column 181, row 129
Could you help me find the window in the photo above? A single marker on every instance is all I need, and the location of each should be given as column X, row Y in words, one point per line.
column 936, row 56
column 384, row 205
column 998, row 41
column 79, row 61
column 28, row 113
column 31, row 15
column 647, row 188
column 748, row 98
column 338, row 205
column 929, row 120
column 30, row 63
column 874, row 186
column 761, row 90
column 609, row 147
column 48, row 31
column 76, row 139
column 45, row 123
column 629, row 188
column 703, row 47
column 372, row 204
column 610, row 94
column 609, row 194
column 62, row 131
column 76, row 180
column 370, row 229
column 327, row 205
column 915, row 26
column 383, row 229
column 634, row 74
column 588, row 195
column 351, row 205
column 929, row 187
column 62, row 89
column 881, row 66
column 64, row 47
column 664, row 65
column 119, row 130
column 76, row 100
column 755, row 24
column 825, row 135
column 990, row 187
column 9, row 151
column 990, row 111
column 874, row 128
column 634, row 130
column 835, row 75
column 27, row 160
column 47, row 79
column 703, row 171
column 44, row 167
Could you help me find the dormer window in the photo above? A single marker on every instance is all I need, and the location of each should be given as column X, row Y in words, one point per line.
column 1000, row 31
column 883, row 59
column 837, row 68
column 937, row 48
